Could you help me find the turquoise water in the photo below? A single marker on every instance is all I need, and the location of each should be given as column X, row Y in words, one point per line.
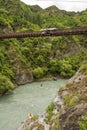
column 33, row 98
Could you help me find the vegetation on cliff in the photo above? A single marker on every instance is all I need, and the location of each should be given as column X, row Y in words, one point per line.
column 23, row 60
column 75, row 101
column 83, row 123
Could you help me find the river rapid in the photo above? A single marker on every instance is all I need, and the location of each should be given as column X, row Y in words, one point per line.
column 30, row 98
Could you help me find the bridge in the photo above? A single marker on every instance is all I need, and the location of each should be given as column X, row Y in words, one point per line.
column 46, row 32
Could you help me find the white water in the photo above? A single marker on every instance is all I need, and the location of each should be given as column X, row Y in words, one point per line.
column 30, row 98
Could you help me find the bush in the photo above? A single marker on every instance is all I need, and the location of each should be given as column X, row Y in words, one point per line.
column 54, row 68
column 83, row 123
column 5, row 85
column 56, row 124
column 50, row 107
column 71, row 100
column 38, row 72
column 49, row 112
column 66, row 69
column 83, row 68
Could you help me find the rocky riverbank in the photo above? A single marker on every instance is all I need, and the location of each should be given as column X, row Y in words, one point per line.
column 66, row 110
column 75, row 101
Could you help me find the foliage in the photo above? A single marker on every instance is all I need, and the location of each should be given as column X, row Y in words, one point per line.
column 66, row 69
column 49, row 116
column 49, row 112
column 54, row 66
column 83, row 123
column 5, row 85
column 56, row 124
column 50, row 107
column 53, row 56
column 71, row 100
column 5, row 68
column 38, row 72
column 83, row 68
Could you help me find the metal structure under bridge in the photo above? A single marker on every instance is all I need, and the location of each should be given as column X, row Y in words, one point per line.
column 46, row 32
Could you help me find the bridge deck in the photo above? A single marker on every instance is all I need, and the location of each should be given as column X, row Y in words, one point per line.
column 56, row 32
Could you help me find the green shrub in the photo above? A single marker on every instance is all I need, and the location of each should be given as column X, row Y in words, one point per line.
column 5, row 85
column 83, row 123
column 66, row 69
column 71, row 100
column 56, row 125
column 50, row 107
column 83, row 68
column 38, row 72
column 49, row 116
column 49, row 112
column 54, row 67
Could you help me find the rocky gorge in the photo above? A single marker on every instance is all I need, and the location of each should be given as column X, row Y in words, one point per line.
column 25, row 60
column 66, row 110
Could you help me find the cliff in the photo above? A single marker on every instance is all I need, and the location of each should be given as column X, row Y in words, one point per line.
column 75, row 101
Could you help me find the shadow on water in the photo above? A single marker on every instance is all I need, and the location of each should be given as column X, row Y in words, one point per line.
column 6, row 98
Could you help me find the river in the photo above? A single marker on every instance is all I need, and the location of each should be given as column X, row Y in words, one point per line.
column 30, row 98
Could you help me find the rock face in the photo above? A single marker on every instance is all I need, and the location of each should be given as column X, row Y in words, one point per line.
column 22, row 73
column 69, row 120
column 24, row 77
column 67, row 108
column 76, row 87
